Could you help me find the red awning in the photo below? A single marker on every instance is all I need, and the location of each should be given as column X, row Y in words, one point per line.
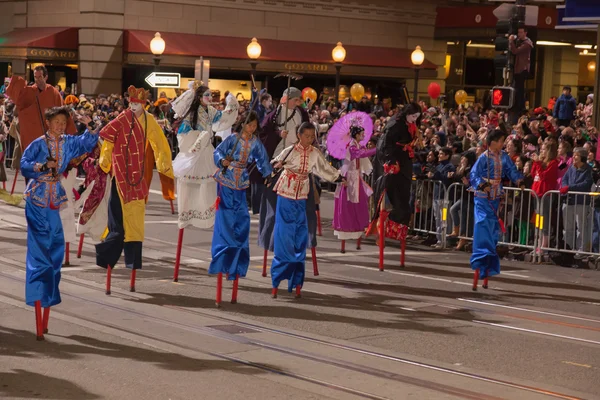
column 45, row 38
column 183, row 44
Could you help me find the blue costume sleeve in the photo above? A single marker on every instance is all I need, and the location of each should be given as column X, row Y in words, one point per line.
column 261, row 158
column 76, row 146
column 30, row 158
column 224, row 149
column 217, row 117
column 478, row 172
column 509, row 170
column 184, row 128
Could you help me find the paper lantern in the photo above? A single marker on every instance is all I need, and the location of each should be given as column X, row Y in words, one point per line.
column 357, row 91
column 460, row 97
column 309, row 93
column 434, row 90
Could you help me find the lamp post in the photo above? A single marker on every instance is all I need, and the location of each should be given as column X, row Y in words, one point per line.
column 157, row 47
column 253, row 51
column 339, row 55
column 417, row 57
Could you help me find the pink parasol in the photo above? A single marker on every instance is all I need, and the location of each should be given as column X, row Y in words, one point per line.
column 339, row 137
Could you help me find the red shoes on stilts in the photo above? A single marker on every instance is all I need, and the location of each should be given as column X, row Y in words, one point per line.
column 108, row 276
column 45, row 319
column 178, row 256
column 39, row 323
column 343, row 250
column 264, row 273
column 67, row 251
column 132, row 281
column 313, row 251
column 172, row 207
column 80, row 248
column 234, row 293
column 476, row 280
column 298, row 294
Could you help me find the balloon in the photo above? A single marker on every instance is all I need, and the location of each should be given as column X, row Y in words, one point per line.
column 309, row 93
column 357, row 91
column 343, row 93
column 460, row 97
column 434, row 90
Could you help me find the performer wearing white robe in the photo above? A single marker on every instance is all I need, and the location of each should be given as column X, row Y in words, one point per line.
column 194, row 166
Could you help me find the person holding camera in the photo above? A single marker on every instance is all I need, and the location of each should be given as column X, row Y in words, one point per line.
column 520, row 46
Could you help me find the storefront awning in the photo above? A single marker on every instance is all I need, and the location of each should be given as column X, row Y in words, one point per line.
column 182, row 44
column 42, row 38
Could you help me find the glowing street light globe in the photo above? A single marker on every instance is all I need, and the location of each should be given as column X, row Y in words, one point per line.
column 417, row 57
column 338, row 53
column 157, row 45
column 254, row 49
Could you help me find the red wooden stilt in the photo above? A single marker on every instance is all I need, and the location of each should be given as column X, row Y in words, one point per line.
column 381, row 240
column 14, row 182
column 298, row 291
column 67, row 251
column 80, row 248
column 46, row 319
column 178, row 256
column 172, row 207
column 132, row 281
column 314, row 260
column 219, row 289
column 475, row 280
column 485, row 283
column 402, row 252
column 274, row 293
column 235, row 290
column 108, row 275
column 264, row 274
column 358, row 243
column 39, row 328
column 4, row 185
column 343, row 247
column 319, row 227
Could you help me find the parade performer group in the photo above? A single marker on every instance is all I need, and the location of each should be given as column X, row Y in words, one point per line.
column 123, row 157
column 43, row 162
column 491, row 168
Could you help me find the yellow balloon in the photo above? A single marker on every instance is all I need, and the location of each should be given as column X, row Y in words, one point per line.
column 460, row 97
column 357, row 91
column 309, row 93
column 343, row 93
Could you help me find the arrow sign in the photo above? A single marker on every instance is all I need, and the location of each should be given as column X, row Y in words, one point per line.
column 163, row 79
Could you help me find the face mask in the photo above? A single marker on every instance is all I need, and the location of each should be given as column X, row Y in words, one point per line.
column 206, row 98
column 135, row 107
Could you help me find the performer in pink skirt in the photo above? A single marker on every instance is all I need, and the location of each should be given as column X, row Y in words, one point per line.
column 351, row 213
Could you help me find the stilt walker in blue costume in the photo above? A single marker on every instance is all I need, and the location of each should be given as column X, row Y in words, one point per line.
column 486, row 178
column 230, row 244
column 43, row 162
column 291, row 223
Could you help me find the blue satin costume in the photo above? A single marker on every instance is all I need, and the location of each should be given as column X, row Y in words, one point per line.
column 493, row 168
column 230, row 244
column 43, row 198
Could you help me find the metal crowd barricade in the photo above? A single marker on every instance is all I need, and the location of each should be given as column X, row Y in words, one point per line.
column 569, row 224
column 430, row 213
column 518, row 209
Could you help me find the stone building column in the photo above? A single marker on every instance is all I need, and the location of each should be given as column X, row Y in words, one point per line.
column 101, row 46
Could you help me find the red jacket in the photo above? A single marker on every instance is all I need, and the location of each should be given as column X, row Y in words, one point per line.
column 544, row 179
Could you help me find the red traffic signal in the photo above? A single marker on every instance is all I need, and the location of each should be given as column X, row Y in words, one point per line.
column 502, row 97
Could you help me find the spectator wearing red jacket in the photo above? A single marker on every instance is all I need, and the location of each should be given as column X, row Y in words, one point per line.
column 545, row 178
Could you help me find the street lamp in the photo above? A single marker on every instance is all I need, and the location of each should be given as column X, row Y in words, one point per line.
column 591, row 66
column 417, row 57
column 253, row 51
column 157, row 47
column 339, row 55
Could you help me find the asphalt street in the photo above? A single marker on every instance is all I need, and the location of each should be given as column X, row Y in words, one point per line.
column 356, row 333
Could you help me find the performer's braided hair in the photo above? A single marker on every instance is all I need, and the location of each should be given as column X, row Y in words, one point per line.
column 196, row 103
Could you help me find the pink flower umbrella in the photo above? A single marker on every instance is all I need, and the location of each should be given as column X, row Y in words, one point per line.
column 339, row 137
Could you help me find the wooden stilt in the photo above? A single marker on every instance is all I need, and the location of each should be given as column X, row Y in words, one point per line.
column 274, row 293
column 358, row 242
column 298, row 291
column 132, row 281
column 264, row 273
column 4, row 185
column 80, row 248
column 178, row 256
column 402, row 252
column 475, row 280
column 234, row 293
column 172, row 207
column 14, row 182
column 485, row 283
column 45, row 319
column 219, row 289
column 319, row 226
column 343, row 250
column 108, row 276
column 39, row 328
column 67, row 251
column 381, row 240
column 314, row 260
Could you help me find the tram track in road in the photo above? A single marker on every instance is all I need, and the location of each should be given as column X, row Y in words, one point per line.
column 302, row 354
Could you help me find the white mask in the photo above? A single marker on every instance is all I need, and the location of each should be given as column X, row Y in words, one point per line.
column 135, row 107
column 412, row 118
column 206, row 98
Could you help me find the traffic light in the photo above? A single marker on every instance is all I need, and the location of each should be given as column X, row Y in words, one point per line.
column 502, row 97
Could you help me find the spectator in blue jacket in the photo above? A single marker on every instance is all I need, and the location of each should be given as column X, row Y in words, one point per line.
column 578, row 210
column 564, row 109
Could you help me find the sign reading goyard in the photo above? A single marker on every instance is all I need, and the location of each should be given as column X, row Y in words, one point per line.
column 163, row 79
